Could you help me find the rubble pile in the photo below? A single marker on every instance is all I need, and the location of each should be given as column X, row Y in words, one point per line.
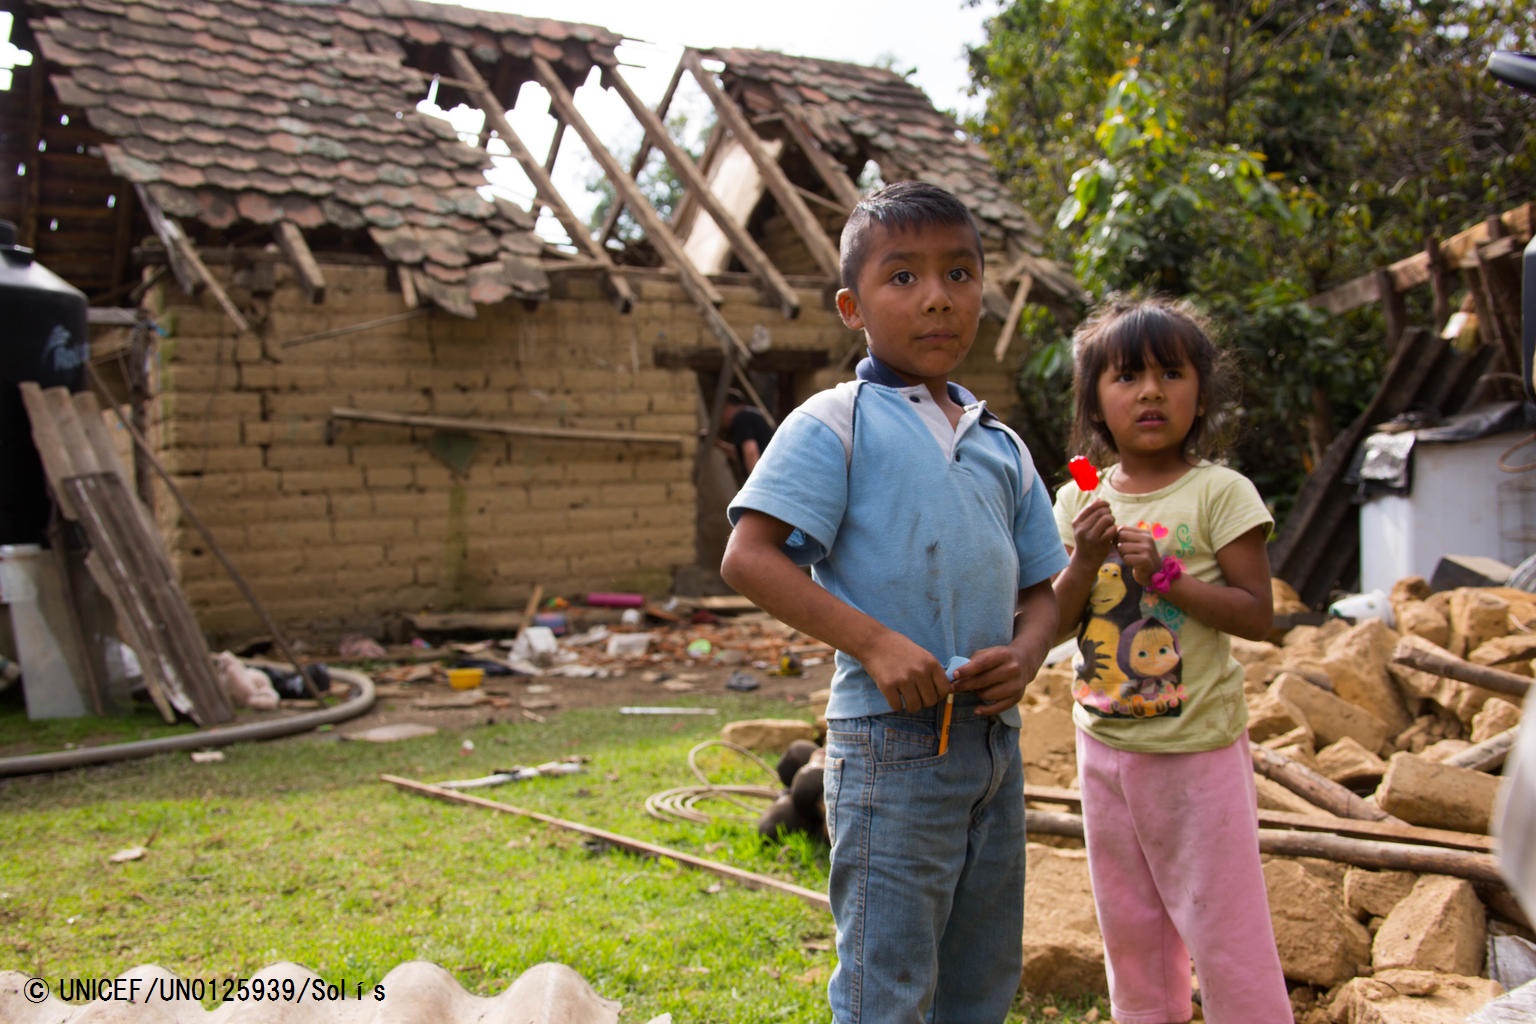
column 1383, row 776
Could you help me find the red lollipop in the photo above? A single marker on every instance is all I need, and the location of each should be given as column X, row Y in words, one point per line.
column 1083, row 472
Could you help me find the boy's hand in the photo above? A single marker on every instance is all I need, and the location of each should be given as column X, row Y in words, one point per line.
column 1139, row 553
column 1093, row 532
column 908, row 676
column 997, row 675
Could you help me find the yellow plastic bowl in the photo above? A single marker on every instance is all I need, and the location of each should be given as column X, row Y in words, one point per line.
column 465, row 678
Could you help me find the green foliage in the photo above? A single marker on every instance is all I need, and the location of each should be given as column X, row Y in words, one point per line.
column 1248, row 156
column 296, row 850
column 657, row 181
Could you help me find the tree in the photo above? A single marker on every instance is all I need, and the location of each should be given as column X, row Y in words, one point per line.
column 1248, row 155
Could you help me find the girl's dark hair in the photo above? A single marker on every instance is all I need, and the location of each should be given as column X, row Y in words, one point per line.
column 1126, row 332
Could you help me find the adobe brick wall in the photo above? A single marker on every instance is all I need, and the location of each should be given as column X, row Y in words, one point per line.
column 344, row 527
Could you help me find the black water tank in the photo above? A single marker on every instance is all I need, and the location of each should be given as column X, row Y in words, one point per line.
column 44, row 338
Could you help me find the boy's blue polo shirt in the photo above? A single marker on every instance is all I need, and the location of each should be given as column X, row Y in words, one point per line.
column 931, row 531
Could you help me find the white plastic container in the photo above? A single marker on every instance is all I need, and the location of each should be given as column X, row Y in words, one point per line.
column 47, row 647
column 1460, row 503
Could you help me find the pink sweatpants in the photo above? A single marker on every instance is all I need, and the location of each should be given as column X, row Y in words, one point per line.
column 1173, row 854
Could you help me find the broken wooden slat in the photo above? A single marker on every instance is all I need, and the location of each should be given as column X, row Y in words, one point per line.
column 623, row 294
column 1015, row 310
column 187, row 265
column 510, row 429
column 1416, row 652
column 1365, row 853
column 748, row 878
column 784, row 193
column 656, row 229
column 1316, row 789
column 1382, row 831
column 127, row 558
column 1519, row 222
column 742, row 243
column 291, row 240
column 830, row 171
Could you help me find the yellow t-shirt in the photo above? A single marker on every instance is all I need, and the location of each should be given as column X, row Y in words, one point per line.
column 1149, row 677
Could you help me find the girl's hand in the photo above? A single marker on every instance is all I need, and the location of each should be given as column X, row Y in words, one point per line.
column 1139, row 553
column 1093, row 532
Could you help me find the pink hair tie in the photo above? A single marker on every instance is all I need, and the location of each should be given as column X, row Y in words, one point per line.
column 1163, row 579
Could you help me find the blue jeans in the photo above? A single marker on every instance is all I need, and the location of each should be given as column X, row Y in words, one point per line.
column 927, row 871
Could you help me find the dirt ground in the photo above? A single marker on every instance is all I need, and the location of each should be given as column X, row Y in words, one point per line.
column 712, row 663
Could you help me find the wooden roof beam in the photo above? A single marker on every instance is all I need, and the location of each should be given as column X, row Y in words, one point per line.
column 831, row 171
column 291, row 240
column 699, row 289
column 623, row 294
column 186, row 264
column 750, row 252
column 784, row 192
column 642, row 154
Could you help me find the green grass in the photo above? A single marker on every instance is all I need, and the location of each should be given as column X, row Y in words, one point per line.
column 294, row 850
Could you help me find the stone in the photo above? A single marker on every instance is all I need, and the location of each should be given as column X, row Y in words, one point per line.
column 1477, row 616
column 1274, row 797
column 1269, row 717
column 1411, row 997
column 1357, row 663
column 1439, row 926
column 1420, row 618
column 1369, row 894
column 767, row 735
column 1319, row 943
column 1425, row 792
column 1497, row 715
column 1330, row 717
column 1063, row 948
column 1350, row 764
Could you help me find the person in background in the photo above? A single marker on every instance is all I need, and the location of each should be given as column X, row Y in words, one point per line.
column 746, row 430
column 931, row 547
column 1168, row 560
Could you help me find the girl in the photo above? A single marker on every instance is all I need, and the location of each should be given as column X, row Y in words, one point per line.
column 1167, row 558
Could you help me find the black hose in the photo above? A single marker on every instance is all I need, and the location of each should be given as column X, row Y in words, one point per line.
column 359, row 701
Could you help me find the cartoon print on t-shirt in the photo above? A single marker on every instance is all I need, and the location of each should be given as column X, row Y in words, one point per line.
column 1129, row 664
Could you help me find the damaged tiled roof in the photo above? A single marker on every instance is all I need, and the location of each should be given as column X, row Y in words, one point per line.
column 859, row 113
column 258, row 111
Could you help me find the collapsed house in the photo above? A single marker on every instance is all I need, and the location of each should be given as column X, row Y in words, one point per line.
column 369, row 383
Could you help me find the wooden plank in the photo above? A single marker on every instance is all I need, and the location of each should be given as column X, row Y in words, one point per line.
column 1011, row 321
column 1359, row 828
column 291, row 240
column 642, row 152
column 656, row 229
column 619, row 287
column 742, row 243
column 704, row 295
column 748, row 878
column 784, row 192
column 829, row 170
column 185, row 262
column 509, row 429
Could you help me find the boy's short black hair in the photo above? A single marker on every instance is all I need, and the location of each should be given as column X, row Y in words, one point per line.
column 900, row 206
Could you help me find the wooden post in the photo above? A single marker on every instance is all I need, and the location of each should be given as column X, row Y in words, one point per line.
column 291, row 240
column 186, row 264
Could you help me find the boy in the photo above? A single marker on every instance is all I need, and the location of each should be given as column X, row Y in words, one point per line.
column 932, row 545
